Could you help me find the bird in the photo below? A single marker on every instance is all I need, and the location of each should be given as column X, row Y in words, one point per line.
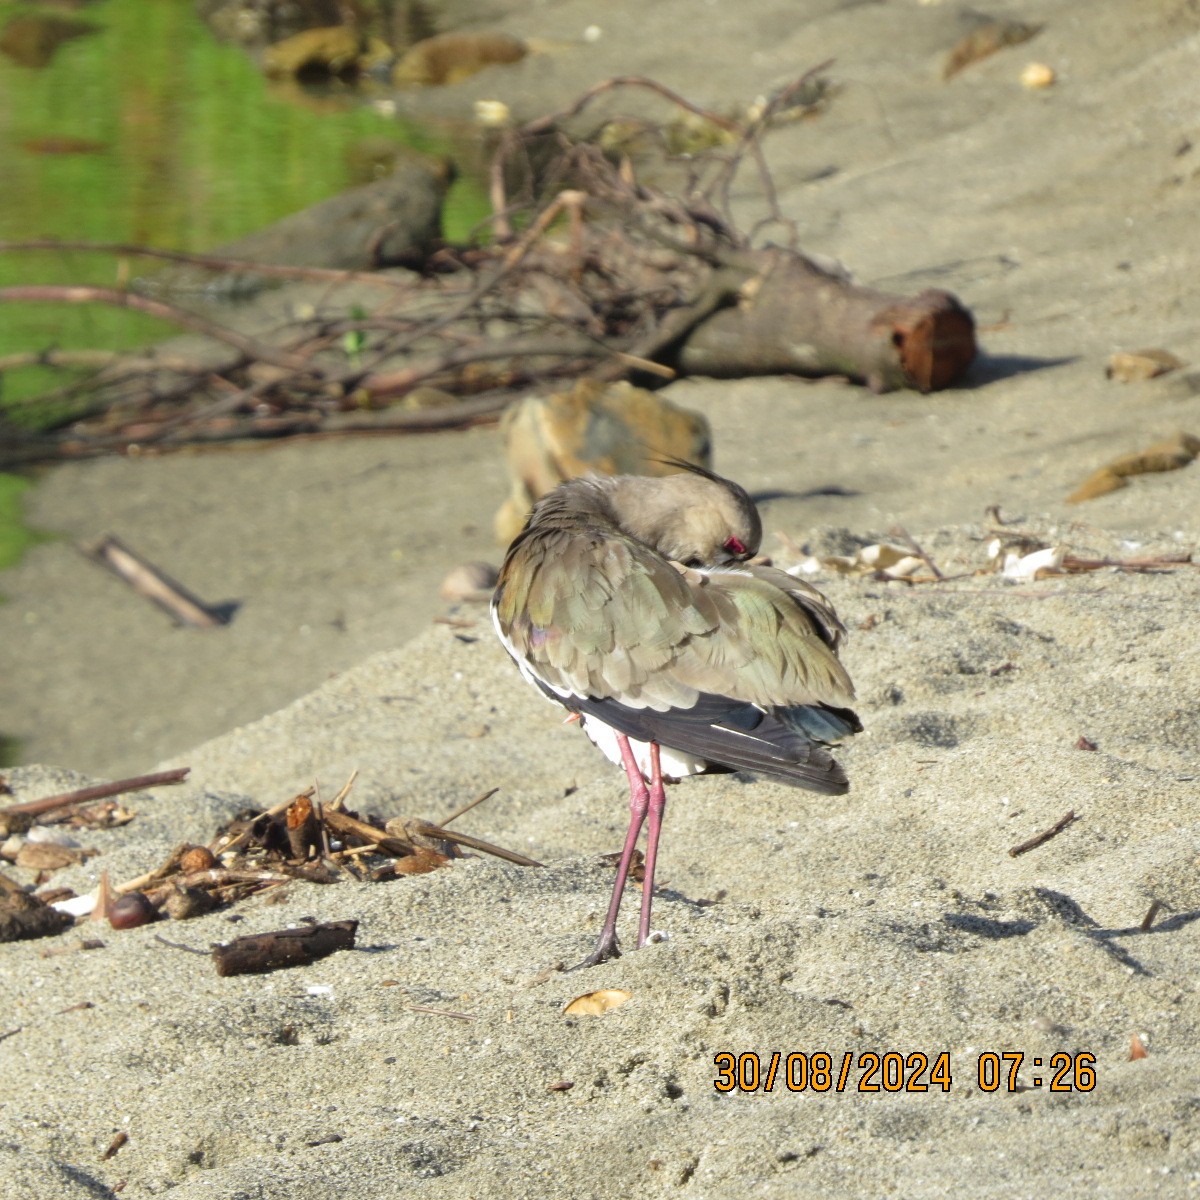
column 632, row 602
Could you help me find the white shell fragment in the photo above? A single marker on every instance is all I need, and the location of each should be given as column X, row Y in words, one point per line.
column 1029, row 566
column 76, row 906
column 892, row 562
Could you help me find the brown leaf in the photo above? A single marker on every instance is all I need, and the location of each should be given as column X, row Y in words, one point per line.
column 593, row 1004
column 420, row 861
column 49, row 856
column 1098, row 484
column 985, row 41
column 1169, row 455
column 1133, row 366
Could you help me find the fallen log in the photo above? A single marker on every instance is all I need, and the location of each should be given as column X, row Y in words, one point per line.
column 790, row 316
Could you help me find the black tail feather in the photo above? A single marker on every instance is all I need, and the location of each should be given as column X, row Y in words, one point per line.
column 730, row 733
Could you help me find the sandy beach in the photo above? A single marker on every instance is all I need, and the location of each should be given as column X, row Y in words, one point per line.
column 892, row 920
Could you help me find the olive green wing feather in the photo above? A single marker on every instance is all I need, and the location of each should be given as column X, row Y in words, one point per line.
column 605, row 617
column 601, row 616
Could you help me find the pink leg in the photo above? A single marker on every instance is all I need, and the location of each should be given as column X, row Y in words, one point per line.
column 658, row 802
column 639, row 799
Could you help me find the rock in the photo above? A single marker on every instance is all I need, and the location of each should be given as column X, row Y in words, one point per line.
column 25, row 916
column 452, row 57
column 337, row 51
column 394, row 221
column 618, row 430
column 472, row 581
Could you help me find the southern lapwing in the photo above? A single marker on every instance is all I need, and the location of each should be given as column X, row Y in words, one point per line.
column 630, row 601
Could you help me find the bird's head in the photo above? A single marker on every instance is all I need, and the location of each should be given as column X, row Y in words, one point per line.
column 695, row 517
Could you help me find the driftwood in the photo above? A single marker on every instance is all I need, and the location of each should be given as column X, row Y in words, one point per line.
column 793, row 317
column 608, row 278
column 147, row 580
column 303, row 830
column 263, row 952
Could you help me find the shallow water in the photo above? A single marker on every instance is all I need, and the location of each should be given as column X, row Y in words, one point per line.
column 150, row 131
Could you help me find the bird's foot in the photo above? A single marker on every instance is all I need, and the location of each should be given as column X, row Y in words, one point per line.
column 607, row 948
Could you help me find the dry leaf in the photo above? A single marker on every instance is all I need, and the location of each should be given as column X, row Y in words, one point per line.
column 984, row 41
column 420, row 861
column 49, row 856
column 592, row 1004
column 1137, row 1048
column 1170, row 455
column 1133, row 366
column 1099, row 484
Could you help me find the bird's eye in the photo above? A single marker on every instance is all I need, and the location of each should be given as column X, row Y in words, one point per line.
column 734, row 546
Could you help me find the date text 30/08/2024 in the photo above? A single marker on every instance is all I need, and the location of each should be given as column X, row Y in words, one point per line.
column 896, row 1072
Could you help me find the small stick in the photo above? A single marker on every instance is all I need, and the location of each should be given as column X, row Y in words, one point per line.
column 428, row 829
column 340, row 799
column 1148, row 919
column 143, row 881
column 98, row 791
column 114, row 1146
column 180, row 946
column 356, row 852
column 349, row 826
column 912, row 543
column 211, row 262
column 442, row 1012
column 147, row 580
column 224, row 877
column 1045, row 835
column 466, row 808
column 68, row 294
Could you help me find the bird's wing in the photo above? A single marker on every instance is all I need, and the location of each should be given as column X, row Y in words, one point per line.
column 814, row 603
column 599, row 615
